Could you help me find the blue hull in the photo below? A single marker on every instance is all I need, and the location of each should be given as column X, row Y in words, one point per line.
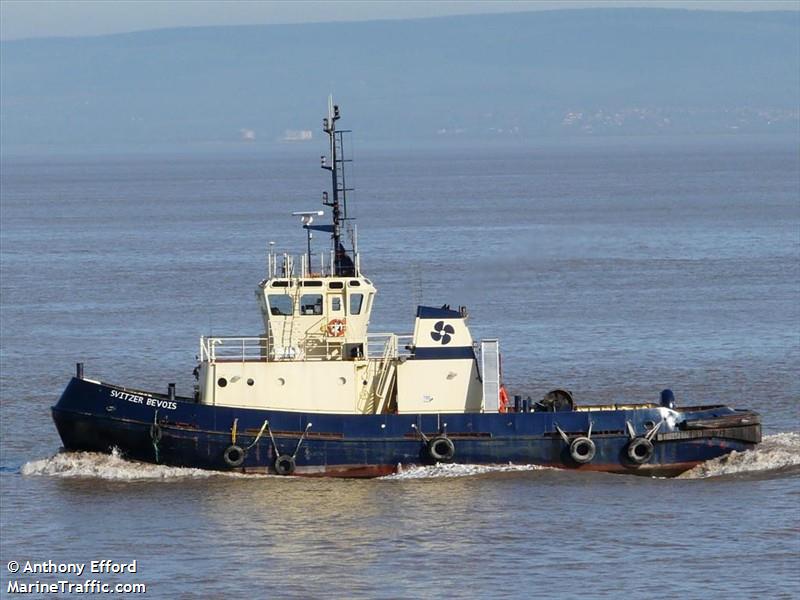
column 92, row 416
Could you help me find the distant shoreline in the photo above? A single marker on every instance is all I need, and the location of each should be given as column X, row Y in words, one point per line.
column 385, row 147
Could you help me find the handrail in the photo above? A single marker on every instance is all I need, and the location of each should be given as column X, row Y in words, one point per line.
column 233, row 348
column 378, row 346
column 397, row 344
column 282, row 266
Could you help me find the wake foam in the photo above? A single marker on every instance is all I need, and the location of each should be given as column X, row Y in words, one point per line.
column 778, row 452
column 111, row 467
column 452, row 470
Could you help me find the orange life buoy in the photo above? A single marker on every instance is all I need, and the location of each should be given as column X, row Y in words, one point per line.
column 503, row 399
column 336, row 327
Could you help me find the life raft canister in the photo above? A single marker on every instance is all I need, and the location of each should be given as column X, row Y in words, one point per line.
column 503, row 400
column 336, row 327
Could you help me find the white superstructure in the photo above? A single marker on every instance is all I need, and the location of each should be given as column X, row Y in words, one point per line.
column 316, row 353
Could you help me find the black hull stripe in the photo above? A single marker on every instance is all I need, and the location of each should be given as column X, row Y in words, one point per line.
column 444, row 353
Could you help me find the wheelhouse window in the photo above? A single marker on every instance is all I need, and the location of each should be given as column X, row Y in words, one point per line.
column 280, row 305
column 311, row 304
column 356, row 300
column 336, row 304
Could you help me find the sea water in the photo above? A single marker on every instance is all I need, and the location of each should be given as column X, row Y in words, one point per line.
column 613, row 267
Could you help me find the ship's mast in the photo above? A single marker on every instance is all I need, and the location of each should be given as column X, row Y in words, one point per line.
column 343, row 263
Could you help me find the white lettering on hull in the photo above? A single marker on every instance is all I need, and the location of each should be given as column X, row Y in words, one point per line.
column 146, row 400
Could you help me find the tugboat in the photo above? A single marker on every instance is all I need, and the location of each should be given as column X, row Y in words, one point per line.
column 318, row 394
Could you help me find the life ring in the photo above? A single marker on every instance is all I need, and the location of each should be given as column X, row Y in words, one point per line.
column 336, row 328
column 155, row 432
column 284, row 464
column 640, row 450
column 441, row 449
column 582, row 450
column 233, row 456
column 503, row 400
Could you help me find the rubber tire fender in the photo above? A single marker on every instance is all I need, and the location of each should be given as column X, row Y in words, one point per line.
column 640, row 450
column 582, row 450
column 441, row 449
column 284, row 464
column 233, row 456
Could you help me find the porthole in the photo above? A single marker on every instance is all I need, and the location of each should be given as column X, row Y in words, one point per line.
column 281, row 381
column 250, row 382
column 649, row 425
column 342, row 380
column 222, row 382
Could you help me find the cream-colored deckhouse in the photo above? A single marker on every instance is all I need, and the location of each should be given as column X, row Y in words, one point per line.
column 316, row 353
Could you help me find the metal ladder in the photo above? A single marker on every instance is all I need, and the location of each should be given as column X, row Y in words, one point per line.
column 288, row 325
column 490, row 374
column 384, row 378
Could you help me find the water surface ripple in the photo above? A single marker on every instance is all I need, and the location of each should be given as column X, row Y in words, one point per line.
column 613, row 268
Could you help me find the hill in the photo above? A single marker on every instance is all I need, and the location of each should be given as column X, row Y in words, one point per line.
column 571, row 72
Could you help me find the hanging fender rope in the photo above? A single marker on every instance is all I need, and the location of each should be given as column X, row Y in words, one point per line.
column 419, row 431
column 275, row 444
column 652, row 433
column 300, row 441
column 234, row 427
column 258, row 437
column 648, row 435
column 565, row 437
column 275, row 448
column 155, row 434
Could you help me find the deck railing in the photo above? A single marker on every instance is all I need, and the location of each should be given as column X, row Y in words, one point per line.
column 234, row 348
column 390, row 345
column 287, row 266
column 248, row 349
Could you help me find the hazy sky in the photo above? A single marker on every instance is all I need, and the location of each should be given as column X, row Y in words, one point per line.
column 42, row 18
